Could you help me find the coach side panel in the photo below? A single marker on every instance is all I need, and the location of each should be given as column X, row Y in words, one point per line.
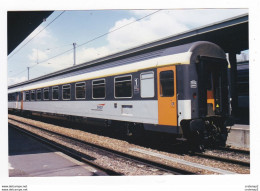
column 153, row 100
column 118, row 102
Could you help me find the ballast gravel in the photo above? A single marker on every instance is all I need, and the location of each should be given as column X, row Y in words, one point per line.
column 124, row 147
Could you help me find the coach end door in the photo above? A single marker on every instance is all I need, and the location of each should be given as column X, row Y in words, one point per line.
column 167, row 105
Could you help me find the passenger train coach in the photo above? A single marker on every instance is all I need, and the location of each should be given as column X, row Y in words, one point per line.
column 180, row 90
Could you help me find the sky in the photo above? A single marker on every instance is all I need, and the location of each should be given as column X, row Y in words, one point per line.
column 98, row 33
column 81, row 27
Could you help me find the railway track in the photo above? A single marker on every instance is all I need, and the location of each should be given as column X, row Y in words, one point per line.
column 223, row 159
column 242, row 151
column 72, row 153
column 164, row 161
column 86, row 159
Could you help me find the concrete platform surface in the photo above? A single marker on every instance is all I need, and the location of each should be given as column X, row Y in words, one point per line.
column 239, row 136
column 241, row 126
column 28, row 157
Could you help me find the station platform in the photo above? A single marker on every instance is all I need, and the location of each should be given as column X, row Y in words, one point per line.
column 239, row 136
column 30, row 158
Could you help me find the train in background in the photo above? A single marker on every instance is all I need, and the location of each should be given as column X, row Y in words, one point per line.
column 181, row 90
column 242, row 87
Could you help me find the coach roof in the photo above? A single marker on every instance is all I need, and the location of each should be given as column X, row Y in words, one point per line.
column 183, row 54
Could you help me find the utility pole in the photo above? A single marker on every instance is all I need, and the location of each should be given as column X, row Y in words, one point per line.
column 74, row 55
column 37, row 57
column 28, row 68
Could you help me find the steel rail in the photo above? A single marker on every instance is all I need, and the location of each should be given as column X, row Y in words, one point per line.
column 68, row 151
column 242, row 151
column 228, row 160
column 158, row 165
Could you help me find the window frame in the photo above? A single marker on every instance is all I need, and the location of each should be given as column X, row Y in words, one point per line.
column 131, row 80
column 98, row 84
column 11, row 97
column 48, row 93
column 63, row 89
column 161, row 92
column 31, row 95
column 27, row 92
column 37, row 94
column 148, row 72
column 53, row 92
column 76, row 90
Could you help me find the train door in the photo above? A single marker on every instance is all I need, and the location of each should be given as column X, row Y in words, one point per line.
column 213, row 87
column 22, row 98
column 167, row 95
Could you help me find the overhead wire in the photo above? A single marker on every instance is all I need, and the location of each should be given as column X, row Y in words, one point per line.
column 118, row 28
column 19, row 73
column 36, row 35
column 100, row 36
column 91, row 39
column 59, row 46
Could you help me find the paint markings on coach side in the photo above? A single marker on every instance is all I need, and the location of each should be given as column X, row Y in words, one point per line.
column 181, row 161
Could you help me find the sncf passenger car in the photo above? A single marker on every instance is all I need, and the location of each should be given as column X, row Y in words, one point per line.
column 181, row 90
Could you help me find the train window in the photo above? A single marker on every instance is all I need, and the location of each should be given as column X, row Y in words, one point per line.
column 46, row 93
column 66, row 92
column 99, row 89
column 123, row 87
column 11, row 97
column 32, row 95
column 55, row 93
column 80, row 90
column 147, row 84
column 39, row 94
column 167, row 83
column 27, row 96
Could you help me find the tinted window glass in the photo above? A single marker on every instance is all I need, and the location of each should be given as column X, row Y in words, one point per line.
column 46, row 93
column 32, row 95
column 11, row 97
column 27, row 96
column 55, row 93
column 167, row 83
column 66, row 92
column 99, row 88
column 123, row 87
column 39, row 94
column 80, row 90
